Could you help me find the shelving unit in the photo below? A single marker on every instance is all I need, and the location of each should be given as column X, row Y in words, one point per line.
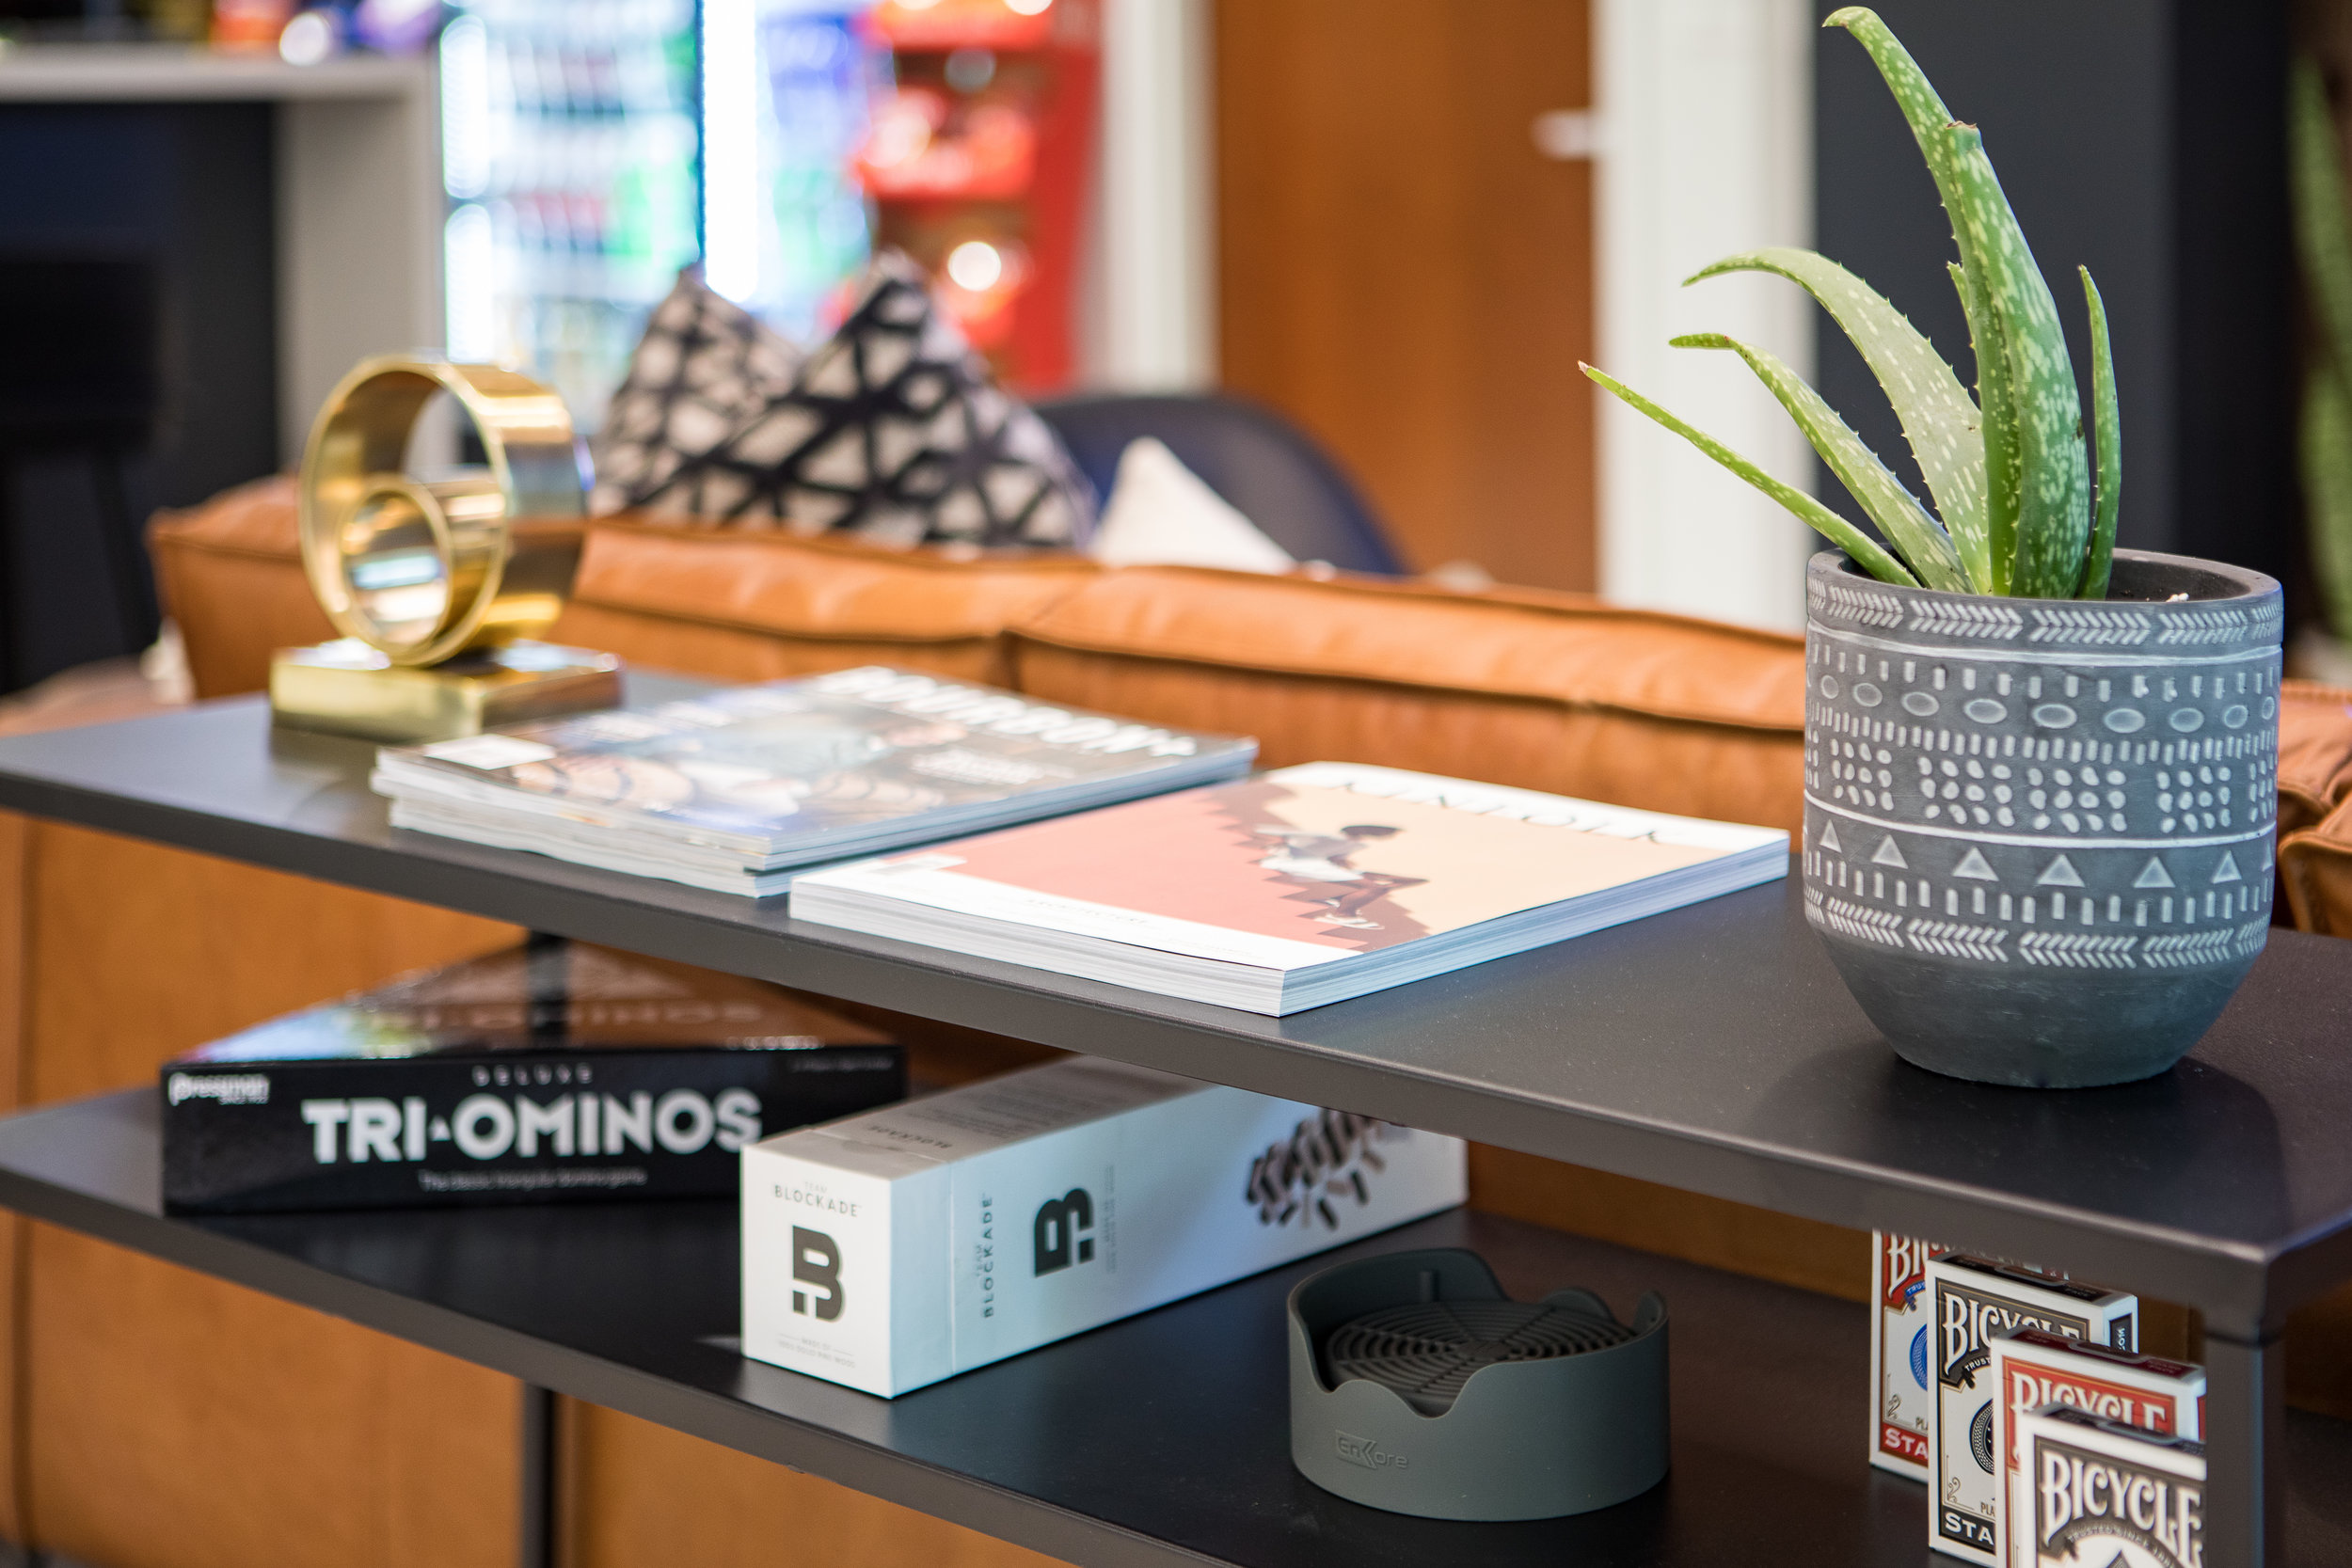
column 178, row 74
column 1087, row 1449
column 358, row 168
column 1712, row 1049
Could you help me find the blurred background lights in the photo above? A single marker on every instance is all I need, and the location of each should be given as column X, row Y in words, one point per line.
column 970, row 70
column 309, row 39
column 469, row 263
column 975, row 266
column 1028, row 7
column 465, row 108
column 731, row 177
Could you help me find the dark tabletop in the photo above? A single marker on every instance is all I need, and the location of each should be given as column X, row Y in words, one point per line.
column 1712, row 1049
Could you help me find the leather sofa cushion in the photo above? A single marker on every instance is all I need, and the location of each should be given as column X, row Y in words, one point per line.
column 731, row 606
column 762, row 606
column 2314, row 753
column 2316, row 806
column 229, row 572
column 1545, row 690
column 2315, row 873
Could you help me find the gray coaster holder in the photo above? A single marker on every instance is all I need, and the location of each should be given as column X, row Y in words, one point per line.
column 1525, row 1440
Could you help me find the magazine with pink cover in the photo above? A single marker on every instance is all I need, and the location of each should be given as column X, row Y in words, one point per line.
column 1302, row 867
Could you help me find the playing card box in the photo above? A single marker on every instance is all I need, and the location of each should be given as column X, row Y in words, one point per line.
column 2099, row 1491
column 1904, row 1388
column 1971, row 1300
column 2033, row 1369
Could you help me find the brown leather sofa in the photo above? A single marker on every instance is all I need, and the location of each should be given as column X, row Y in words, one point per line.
column 159, row 1417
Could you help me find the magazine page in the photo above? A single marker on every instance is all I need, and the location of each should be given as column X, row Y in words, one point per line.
column 801, row 759
column 1297, row 866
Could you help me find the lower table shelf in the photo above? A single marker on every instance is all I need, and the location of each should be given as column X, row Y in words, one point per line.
column 1090, row 1450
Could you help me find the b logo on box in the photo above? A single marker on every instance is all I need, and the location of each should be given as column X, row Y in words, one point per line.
column 1059, row 1233
column 815, row 1261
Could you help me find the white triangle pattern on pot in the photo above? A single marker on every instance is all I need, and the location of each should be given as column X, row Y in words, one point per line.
column 1974, row 865
column 2060, row 873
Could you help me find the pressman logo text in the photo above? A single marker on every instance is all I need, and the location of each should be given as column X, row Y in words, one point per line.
column 230, row 1088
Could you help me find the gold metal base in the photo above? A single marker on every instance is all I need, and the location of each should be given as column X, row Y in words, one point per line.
column 348, row 688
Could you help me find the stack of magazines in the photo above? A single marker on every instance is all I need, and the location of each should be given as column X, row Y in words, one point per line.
column 735, row 790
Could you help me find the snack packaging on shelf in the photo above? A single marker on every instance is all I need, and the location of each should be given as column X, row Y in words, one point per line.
column 892, row 1249
column 1972, row 1299
column 2032, row 1368
column 2098, row 1491
column 551, row 1072
column 1901, row 1378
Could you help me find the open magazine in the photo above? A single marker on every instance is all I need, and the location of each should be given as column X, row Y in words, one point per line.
column 732, row 790
column 1295, row 887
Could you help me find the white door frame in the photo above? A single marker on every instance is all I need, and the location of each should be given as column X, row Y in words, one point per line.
column 1706, row 148
column 1151, row 302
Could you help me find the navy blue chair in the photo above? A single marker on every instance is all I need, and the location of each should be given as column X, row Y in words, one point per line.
column 1268, row 468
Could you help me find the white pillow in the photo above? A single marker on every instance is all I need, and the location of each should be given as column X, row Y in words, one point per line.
column 1160, row 514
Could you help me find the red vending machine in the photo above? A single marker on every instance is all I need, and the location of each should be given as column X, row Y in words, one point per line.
column 977, row 164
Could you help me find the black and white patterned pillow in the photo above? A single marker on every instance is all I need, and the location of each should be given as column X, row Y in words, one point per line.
column 892, row 432
column 704, row 365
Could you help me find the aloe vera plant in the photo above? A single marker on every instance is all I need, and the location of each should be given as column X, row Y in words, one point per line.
column 2008, row 468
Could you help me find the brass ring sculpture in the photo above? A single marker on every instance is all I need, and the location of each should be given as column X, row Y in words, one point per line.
column 424, row 571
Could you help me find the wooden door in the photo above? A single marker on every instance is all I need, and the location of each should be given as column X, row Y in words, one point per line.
column 1404, row 271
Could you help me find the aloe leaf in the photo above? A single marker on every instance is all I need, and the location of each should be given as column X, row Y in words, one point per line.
column 1913, row 93
column 1939, row 417
column 1999, row 428
column 2323, row 227
column 2036, row 481
column 1988, row 340
column 2108, row 431
column 2327, row 443
column 2053, row 472
column 1867, row 553
column 1924, row 111
column 1916, row 535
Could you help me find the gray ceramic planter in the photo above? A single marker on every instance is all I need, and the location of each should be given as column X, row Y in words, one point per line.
column 2038, row 832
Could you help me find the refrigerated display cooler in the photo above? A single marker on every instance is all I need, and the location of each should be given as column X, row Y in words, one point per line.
column 569, row 145
column 591, row 147
column 787, row 87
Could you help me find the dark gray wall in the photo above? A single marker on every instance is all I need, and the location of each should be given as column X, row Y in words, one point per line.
column 2144, row 139
column 189, row 185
